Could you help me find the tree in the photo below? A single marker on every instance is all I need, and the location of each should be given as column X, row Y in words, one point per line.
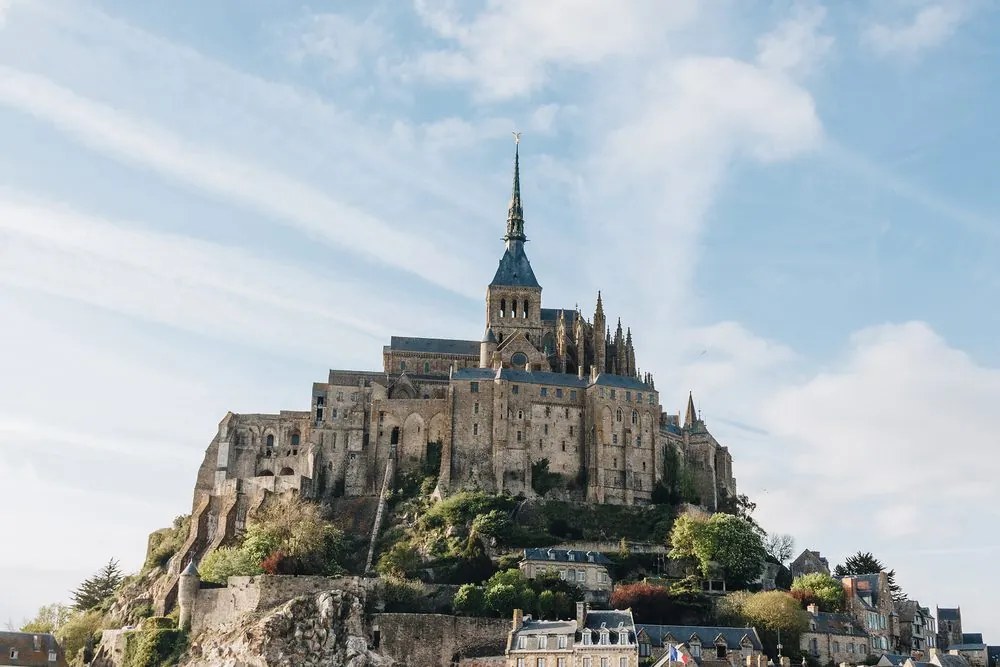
column 469, row 600
column 779, row 547
column 98, row 588
column 722, row 540
column 821, row 587
column 224, row 562
column 401, row 559
column 78, row 631
column 49, row 618
column 771, row 612
column 863, row 562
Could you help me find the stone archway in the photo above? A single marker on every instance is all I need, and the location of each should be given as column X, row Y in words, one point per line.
column 413, row 442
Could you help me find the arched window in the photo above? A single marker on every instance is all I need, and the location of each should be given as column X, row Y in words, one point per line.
column 513, row 308
column 635, row 416
column 286, row 471
column 618, row 415
column 525, row 309
column 270, row 440
column 295, row 439
column 265, row 473
column 427, row 367
column 503, row 307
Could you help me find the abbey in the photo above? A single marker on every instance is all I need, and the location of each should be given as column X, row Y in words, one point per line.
column 547, row 401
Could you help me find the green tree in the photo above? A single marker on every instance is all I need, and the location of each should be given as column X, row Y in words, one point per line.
column 863, row 562
column 828, row 592
column 469, row 600
column 79, row 631
column 49, row 618
column 722, row 540
column 98, row 588
column 771, row 612
column 495, row 524
column 399, row 560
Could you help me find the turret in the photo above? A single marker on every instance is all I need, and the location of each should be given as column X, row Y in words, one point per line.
column 690, row 416
column 187, row 594
column 486, row 348
column 600, row 348
column 629, row 355
column 619, row 344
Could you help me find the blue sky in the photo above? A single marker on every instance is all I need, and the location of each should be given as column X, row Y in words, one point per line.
column 792, row 204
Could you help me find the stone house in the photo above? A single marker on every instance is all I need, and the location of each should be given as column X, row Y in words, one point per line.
column 586, row 569
column 809, row 562
column 30, row 649
column 869, row 601
column 832, row 637
column 917, row 629
column 972, row 648
column 949, row 626
column 708, row 646
column 603, row 638
column 547, row 402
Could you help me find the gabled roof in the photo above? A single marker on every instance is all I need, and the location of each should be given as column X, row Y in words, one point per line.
column 621, row 382
column 514, row 269
column 837, row 624
column 434, row 345
column 547, row 628
column 24, row 644
column 705, row 634
column 894, row 658
column 563, row 556
column 946, row 660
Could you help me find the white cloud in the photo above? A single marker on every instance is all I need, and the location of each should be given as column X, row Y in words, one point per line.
column 796, row 46
column 511, row 48
column 315, row 213
column 929, row 27
column 342, row 44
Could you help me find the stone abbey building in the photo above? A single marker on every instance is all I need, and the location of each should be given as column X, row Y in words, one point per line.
column 545, row 391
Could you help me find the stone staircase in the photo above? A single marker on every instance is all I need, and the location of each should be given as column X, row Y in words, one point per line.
column 388, row 482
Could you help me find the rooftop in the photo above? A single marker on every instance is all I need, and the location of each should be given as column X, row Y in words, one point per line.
column 563, row 556
column 704, row 634
column 434, row 345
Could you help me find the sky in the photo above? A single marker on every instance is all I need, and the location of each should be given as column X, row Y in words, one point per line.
column 205, row 206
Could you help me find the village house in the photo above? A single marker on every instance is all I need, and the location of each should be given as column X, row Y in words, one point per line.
column 603, row 638
column 869, row 601
column 835, row 638
column 972, row 648
column 917, row 629
column 586, row 569
column 30, row 649
column 708, row 646
column 809, row 562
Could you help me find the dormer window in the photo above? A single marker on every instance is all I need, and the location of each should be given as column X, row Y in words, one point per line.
column 543, row 641
column 552, row 554
column 522, row 642
column 570, row 556
column 585, row 636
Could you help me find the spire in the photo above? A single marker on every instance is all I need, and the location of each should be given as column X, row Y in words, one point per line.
column 600, row 304
column 690, row 417
column 515, row 212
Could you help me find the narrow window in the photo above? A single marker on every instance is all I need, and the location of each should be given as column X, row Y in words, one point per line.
column 402, row 365
column 519, row 436
column 638, row 398
column 548, row 411
column 564, row 445
column 319, row 414
column 474, row 387
column 628, row 396
column 558, row 392
column 546, row 429
column 320, row 401
column 475, row 408
column 340, row 395
column 334, row 441
column 614, row 438
column 614, row 394
column 394, row 436
column 515, row 389
column 618, row 415
column 635, row 417
column 572, row 394
column 295, row 439
column 644, row 466
column 475, row 429
column 427, row 367
column 333, row 413
column 571, row 431
column 525, row 309
column 513, row 308
column 503, row 307
column 544, row 392
column 270, row 440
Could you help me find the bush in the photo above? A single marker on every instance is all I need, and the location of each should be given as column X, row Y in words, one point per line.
column 401, row 559
column 656, row 604
column 543, row 481
column 163, row 544
column 403, row 595
column 495, row 524
column 820, row 588
column 154, row 647
column 470, row 601
column 78, row 630
column 461, row 508
column 220, row 564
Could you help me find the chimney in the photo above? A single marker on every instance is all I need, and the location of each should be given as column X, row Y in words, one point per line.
column 813, row 609
column 581, row 614
column 518, row 620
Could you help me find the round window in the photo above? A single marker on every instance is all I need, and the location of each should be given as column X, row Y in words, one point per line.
column 519, row 360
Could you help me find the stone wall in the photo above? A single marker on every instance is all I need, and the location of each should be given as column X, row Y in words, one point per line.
column 224, row 606
column 421, row 640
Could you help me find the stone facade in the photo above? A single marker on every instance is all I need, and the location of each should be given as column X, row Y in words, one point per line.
column 547, row 400
column 593, row 639
column 586, row 569
column 834, row 638
column 869, row 601
column 419, row 640
column 706, row 646
column 809, row 562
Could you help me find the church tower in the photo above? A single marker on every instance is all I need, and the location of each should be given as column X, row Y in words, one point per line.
column 514, row 297
column 600, row 348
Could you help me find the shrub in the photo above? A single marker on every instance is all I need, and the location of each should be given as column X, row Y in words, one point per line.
column 656, row 604
column 543, row 481
column 821, row 588
column 469, row 600
column 495, row 524
column 163, row 544
column 401, row 559
column 220, row 564
column 154, row 647
column 403, row 595
column 75, row 632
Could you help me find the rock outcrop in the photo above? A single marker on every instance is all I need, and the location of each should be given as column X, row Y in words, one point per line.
column 322, row 629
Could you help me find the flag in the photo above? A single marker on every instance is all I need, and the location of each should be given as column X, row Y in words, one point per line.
column 673, row 655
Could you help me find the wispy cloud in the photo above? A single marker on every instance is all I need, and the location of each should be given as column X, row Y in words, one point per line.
column 108, row 130
column 931, row 26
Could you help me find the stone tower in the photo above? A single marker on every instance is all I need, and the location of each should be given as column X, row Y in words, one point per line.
column 600, row 348
column 514, row 297
column 187, row 594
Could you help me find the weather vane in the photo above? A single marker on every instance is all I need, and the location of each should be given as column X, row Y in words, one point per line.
column 517, row 137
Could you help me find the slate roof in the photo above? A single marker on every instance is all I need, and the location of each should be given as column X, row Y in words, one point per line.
column 562, row 556
column 515, row 269
column 895, row 658
column 946, row 660
column 549, row 378
column 949, row 614
column 552, row 314
column 610, row 619
column 972, row 638
column 547, row 628
column 837, row 624
column 706, row 634
column 621, row 382
column 967, row 646
column 434, row 345
column 24, row 643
